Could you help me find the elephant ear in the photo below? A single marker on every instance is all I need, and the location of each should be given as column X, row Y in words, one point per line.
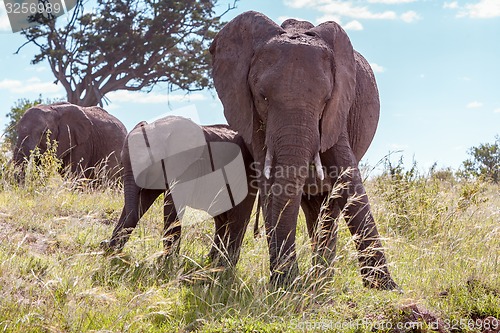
column 74, row 127
column 344, row 74
column 232, row 51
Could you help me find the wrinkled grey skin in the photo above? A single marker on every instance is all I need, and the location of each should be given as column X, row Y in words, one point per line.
column 230, row 226
column 295, row 92
column 86, row 136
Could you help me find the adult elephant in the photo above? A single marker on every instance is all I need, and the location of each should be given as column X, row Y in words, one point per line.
column 87, row 137
column 203, row 167
column 303, row 100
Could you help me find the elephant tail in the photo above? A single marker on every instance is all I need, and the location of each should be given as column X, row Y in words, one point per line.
column 257, row 214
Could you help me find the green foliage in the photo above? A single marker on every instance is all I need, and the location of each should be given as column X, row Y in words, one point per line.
column 14, row 115
column 128, row 44
column 40, row 170
column 411, row 195
column 41, row 167
column 485, row 162
column 446, row 175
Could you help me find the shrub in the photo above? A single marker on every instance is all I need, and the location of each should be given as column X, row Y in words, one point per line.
column 485, row 162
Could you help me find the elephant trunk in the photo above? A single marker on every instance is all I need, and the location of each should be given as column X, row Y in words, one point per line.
column 286, row 197
column 18, row 162
column 293, row 150
column 317, row 165
column 18, row 157
column 20, row 154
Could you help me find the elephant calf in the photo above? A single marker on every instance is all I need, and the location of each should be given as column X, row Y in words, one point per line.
column 179, row 163
column 87, row 137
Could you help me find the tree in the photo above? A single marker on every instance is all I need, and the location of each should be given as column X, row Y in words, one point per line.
column 128, row 44
column 15, row 114
column 485, row 161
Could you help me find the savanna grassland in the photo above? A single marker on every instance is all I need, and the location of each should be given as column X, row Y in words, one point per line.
column 441, row 237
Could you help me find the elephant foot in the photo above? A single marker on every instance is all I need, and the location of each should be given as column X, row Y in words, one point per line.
column 227, row 259
column 379, row 278
column 110, row 246
column 105, row 246
column 284, row 278
column 325, row 260
column 171, row 250
column 218, row 259
column 386, row 283
column 375, row 272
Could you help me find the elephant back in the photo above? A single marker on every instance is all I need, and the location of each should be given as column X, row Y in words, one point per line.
column 106, row 120
column 224, row 133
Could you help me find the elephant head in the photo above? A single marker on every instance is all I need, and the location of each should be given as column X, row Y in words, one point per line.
column 287, row 90
column 264, row 72
column 66, row 123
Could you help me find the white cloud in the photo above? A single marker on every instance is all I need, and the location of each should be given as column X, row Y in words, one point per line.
column 300, row 3
column 450, row 5
column 391, row 2
column 33, row 84
column 410, row 16
column 353, row 25
column 337, row 10
column 497, row 110
column 37, row 69
column 474, row 105
column 377, row 68
column 328, row 17
column 480, row 10
column 152, row 98
column 342, row 8
column 33, row 80
column 4, row 19
column 397, row 146
column 9, row 84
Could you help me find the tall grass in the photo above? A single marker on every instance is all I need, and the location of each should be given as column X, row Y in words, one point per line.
column 440, row 234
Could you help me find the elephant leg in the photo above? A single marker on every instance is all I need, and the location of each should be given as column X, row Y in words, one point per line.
column 171, row 227
column 356, row 210
column 230, row 230
column 128, row 220
column 218, row 249
column 321, row 219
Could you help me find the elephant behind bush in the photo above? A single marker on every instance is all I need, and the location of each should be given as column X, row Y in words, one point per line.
column 88, row 138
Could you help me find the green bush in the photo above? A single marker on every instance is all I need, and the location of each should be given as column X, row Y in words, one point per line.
column 420, row 204
column 485, row 162
column 42, row 167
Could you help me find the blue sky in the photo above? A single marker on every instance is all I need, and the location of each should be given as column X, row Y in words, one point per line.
column 437, row 65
